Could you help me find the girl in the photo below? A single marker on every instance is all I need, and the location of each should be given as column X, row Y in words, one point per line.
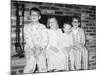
column 55, row 57
column 79, row 42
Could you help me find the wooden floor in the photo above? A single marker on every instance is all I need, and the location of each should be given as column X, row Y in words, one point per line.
column 17, row 64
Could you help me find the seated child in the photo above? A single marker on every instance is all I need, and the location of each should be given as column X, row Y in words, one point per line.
column 67, row 46
column 55, row 57
column 79, row 42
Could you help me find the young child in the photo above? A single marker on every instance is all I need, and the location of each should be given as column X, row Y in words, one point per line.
column 36, row 41
column 67, row 46
column 55, row 57
column 79, row 42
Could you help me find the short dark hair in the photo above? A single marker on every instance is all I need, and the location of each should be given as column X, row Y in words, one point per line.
column 76, row 17
column 36, row 10
column 67, row 22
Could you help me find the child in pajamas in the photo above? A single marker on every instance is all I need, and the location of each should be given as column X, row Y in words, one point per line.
column 81, row 54
column 55, row 57
column 36, row 42
column 67, row 46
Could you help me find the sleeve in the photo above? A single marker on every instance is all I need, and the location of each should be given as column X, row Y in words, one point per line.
column 82, row 37
column 45, row 38
column 27, row 37
column 72, row 40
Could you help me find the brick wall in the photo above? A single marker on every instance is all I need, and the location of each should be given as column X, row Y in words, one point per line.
column 87, row 14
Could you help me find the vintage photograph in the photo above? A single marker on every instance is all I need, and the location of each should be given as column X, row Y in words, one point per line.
column 52, row 37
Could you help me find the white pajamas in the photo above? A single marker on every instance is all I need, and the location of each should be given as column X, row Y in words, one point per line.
column 55, row 56
column 67, row 47
column 81, row 54
column 36, row 41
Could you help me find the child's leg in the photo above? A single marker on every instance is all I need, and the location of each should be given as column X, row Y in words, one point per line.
column 77, row 59
column 66, row 54
column 71, row 55
column 84, row 58
column 30, row 65
column 67, row 62
column 42, row 65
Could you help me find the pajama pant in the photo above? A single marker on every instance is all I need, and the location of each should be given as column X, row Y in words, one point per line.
column 31, row 62
column 69, row 55
column 81, row 58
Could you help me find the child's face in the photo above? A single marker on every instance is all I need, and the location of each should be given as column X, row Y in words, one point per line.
column 35, row 16
column 75, row 23
column 67, row 28
column 53, row 23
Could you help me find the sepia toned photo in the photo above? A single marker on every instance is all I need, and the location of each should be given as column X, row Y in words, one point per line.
column 52, row 37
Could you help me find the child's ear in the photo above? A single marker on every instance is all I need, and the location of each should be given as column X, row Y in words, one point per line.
column 39, row 17
column 72, row 23
column 79, row 23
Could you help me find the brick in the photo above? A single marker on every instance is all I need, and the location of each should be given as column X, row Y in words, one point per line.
column 68, row 6
column 92, row 34
column 93, row 57
column 65, row 9
column 68, row 13
column 88, row 24
column 84, row 7
column 54, row 8
column 59, row 5
column 92, row 46
column 88, row 30
column 93, row 8
column 77, row 6
column 78, row 10
column 85, row 14
column 27, row 9
column 92, row 15
column 92, row 27
column 47, row 4
column 48, row 11
column 86, row 21
column 37, row 3
column 85, row 27
column 94, row 12
column 58, row 12
column 90, row 18
column 44, row 7
column 87, row 11
column 94, row 31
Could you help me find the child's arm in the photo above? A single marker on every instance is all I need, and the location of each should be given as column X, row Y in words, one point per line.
column 55, row 49
column 45, row 37
column 82, row 37
column 27, row 38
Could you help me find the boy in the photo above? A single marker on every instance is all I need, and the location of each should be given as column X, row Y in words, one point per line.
column 67, row 46
column 79, row 43
column 36, row 42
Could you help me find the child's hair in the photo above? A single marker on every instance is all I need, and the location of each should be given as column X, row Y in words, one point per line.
column 67, row 23
column 36, row 10
column 48, row 25
column 76, row 17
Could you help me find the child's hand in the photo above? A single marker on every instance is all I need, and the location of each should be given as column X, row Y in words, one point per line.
column 67, row 49
column 54, row 49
